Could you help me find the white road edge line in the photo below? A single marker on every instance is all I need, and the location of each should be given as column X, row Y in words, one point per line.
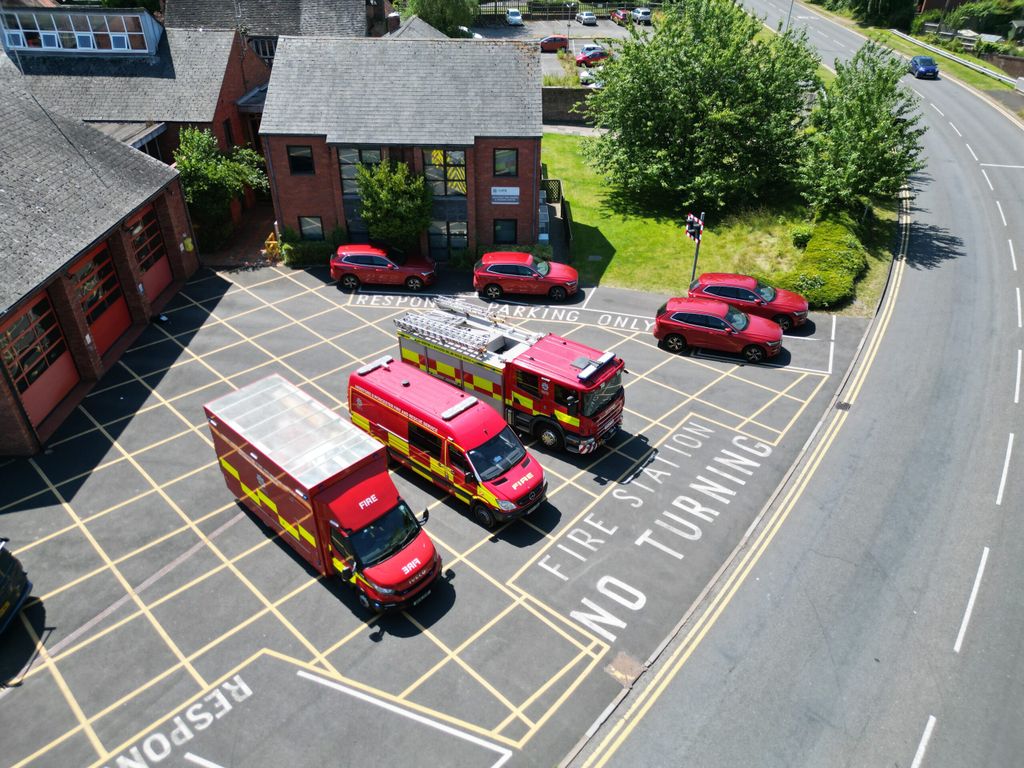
column 1006, row 468
column 1016, row 387
column 832, row 346
column 923, row 745
column 1001, row 214
column 941, row 114
column 505, row 754
column 1013, row 258
column 956, row 129
column 970, row 602
column 971, row 151
column 1000, row 165
column 987, row 180
column 1018, row 307
column 201, row 761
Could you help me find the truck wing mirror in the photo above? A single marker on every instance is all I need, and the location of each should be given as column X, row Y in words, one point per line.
column 422, row 519
column 572, row 405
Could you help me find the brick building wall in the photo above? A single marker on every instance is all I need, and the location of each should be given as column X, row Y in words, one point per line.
column 245, row 71
column 527, row 180
column 295, row 195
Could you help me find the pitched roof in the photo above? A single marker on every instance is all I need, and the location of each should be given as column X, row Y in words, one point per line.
column 400, row 91
column 62, row 186
column 415, row 28
column 345, row 18
column 180, row 84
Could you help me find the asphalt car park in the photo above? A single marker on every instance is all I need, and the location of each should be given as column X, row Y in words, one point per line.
column 167, row 626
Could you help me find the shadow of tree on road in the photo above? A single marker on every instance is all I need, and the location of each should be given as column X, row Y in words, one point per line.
column 932, row 245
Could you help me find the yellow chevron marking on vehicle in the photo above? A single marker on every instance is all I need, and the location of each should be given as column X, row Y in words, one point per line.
column 482, row 384
column 411, row 355
column 228, row 468
column 486, row 496
column 522, row 400
column 394, row 441
column 264, row 499
column 307, row 536
column 361, row 421
column 447, row 370
column 288, row 526
column 565, row 418
column 250, row 493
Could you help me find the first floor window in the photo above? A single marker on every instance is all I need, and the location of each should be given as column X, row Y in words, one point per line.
column 445, row 170
column 350, row 158
column 506, row 162
column 311, row 227
column 300, row 161
column 505, row 232
column 447, row 236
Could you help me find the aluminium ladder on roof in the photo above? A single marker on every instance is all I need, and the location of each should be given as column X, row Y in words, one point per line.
column 440, row 330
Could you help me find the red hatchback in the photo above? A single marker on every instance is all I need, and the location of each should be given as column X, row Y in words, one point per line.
column 621, row 16
column 353, row 265
column 504, row 272
column 684, row 323
column 591, row 58
column 554, row 43
column 786, row 308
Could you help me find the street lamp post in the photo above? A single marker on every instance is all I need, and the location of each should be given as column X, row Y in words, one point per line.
column 568, row 25
column 789, row 15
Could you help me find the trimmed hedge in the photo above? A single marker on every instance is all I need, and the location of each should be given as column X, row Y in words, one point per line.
column 830, row 265
column 309, row 253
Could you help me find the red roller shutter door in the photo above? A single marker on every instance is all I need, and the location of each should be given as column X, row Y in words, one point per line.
column 102, row 298
column 37, row 359
column 150, row 252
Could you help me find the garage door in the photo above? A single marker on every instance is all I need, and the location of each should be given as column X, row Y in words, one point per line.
column 150, row 252
column 102, row 299
column 37, row 359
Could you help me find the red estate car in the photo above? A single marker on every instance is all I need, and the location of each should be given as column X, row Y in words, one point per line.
column 621, row 16
column 591, row 58
column 554, row 43
column 786, row 308
column 504, row 272
column 356, row 264
column 684, row 322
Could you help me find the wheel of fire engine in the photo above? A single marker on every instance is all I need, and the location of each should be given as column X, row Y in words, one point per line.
column 784, row 322
column 550, row 435
column 363, row 599
column 558, row 293
column 349, row 282
column 675, row 343
column 492, row 292
column 483, row 515
column 753, row 353
column 414, row 283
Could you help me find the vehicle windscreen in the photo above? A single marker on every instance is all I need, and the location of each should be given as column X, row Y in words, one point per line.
column 595, row 402
column 544, row 267
column 766, row 292
column 384, row 536
column 737, row 319
column 498, row 455
column 397, row 259
column 926, row 61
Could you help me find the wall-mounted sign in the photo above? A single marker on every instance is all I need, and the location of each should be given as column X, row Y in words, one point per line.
column 504, row 195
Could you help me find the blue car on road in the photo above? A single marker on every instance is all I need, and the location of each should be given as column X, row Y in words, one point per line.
column 924, row 66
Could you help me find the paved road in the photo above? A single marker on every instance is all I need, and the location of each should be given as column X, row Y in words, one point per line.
column 878, row 621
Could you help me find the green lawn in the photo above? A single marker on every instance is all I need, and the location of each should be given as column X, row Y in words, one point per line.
column 653, row 253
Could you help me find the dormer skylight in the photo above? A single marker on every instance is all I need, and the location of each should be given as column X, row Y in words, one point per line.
column 89, row 31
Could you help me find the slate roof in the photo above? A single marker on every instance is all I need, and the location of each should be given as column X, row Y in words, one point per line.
column 62, row 186
column 415, row 28
column 342, row 18
column 180, row 84
column 397, row 91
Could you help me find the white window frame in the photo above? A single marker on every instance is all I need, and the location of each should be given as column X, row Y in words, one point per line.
column 119, row 41
column 13, row 36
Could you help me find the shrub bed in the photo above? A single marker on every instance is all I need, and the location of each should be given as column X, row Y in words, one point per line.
column 296, row 252
column 830, row 264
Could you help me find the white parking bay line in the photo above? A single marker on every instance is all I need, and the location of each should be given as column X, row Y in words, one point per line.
column 1016, row 387
column 972, row 152
column 937, row 110
column 1018, row 307
column 923, row 744
column 1006, row 467
column 956, row 129
column 503, row 754
column 201, row 761
column 987, row 180
column 970, row 602
column 1013, row 258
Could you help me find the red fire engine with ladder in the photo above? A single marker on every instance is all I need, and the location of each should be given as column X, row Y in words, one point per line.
column 565, row 393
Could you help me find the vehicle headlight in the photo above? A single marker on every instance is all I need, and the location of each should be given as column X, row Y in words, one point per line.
column 801, row 314
column 506, row 506
column 571, row 284
column 377, row 587
column 426, row 274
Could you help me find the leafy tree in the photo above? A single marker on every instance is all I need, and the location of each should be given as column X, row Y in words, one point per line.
column 890, row 13
column 211, row 179
column 864, row 140
column 396, row 203
column 703, row 112
column 446, row 15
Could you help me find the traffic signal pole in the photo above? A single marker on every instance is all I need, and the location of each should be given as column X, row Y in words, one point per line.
column 695, row 230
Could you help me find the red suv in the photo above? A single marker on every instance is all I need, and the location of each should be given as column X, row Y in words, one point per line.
column 684, row 323
column 554, row 44
column 356, row 264
column 786, row 308
column 504, row 272
column 621, row 16
column 591, row 58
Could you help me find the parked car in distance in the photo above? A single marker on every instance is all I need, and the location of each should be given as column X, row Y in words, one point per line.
column 641, row 16
column 589, row 77
column 554, row 43
column 591, row 58
column 587, row 18
column 924, row 66
column 748, row 295
column 501, row 272
column 513, row 17
column 682, row 323
column 466, row 32
column 588, row 47
column 621, row 16
column 356, row 264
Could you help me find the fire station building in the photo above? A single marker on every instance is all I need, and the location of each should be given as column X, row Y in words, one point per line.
column 464, row 114
column 96, row 239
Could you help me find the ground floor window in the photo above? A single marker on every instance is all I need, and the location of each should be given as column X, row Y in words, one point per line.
column 311, row 227
column 505, row 232
column 447, row 236
column 31, row 344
